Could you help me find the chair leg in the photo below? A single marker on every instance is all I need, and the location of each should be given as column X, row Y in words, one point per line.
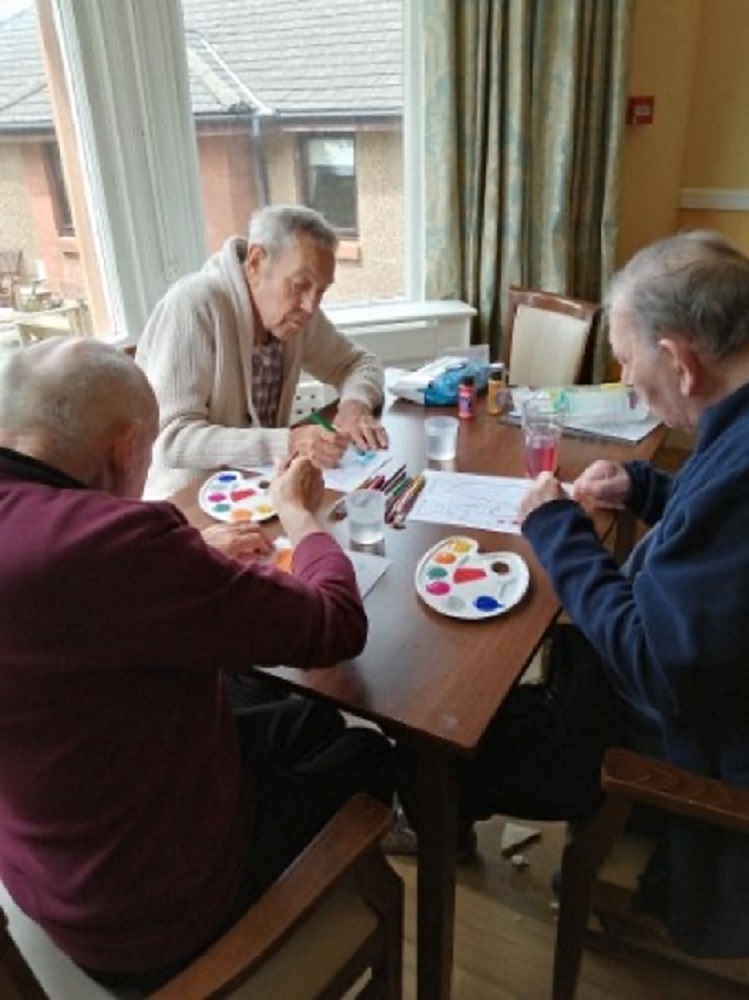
column 577, row 883
column 383, row 890
column 581, row 860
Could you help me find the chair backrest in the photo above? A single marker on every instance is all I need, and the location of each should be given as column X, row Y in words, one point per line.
column 334, row 916
column 548, row 338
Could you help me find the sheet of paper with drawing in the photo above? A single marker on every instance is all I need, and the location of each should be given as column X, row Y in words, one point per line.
column 354, row 468
column 488, row 502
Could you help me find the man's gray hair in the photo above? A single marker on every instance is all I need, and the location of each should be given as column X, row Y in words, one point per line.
column 275, row 227
column 72, row 392
column 695, row 284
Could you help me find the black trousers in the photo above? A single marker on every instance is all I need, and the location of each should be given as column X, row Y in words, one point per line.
column 304, row 763
column 541, row 756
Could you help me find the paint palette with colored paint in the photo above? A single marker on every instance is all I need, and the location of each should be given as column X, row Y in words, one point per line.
column 457, row 580
column 234, row 496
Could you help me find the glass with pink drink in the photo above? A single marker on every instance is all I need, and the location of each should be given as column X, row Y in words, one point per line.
column 542, row 423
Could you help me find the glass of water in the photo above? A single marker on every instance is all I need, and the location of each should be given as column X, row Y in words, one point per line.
column 365, row 511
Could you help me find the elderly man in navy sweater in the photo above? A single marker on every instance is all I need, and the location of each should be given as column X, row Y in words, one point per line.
column 659, row 657
column 138, row 816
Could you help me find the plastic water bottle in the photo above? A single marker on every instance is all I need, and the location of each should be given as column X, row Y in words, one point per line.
column 611, row 402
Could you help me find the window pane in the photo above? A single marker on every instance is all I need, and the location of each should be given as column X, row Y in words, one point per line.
column 50, row 290
column 302, row 103
column 330, row 180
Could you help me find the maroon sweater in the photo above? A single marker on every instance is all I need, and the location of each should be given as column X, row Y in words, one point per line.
column 123, row 812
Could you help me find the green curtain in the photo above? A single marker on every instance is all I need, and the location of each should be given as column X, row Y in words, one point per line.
column 524, row 109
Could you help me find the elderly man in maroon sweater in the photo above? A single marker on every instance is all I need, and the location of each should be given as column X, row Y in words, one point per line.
column 138, row 815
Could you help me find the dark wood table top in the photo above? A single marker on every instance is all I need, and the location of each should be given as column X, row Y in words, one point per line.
column 422, row 674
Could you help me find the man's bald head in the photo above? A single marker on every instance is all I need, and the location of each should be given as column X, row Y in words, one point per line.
column 81, row 406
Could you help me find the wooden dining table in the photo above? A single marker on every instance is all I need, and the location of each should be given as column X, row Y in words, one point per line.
column 432, row 681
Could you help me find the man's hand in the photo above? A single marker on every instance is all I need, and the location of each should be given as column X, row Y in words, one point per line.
column 544, row 489
column 603, row 485
column 322, row 447
column 356, row 421
column 240, row 541
column 297, row 491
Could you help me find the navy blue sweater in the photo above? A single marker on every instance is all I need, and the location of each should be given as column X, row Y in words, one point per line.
column 672, row 628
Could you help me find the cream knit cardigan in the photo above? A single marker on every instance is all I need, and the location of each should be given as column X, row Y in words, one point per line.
column 196, row 350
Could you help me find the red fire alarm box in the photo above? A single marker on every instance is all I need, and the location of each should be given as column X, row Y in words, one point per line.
column 640, row 110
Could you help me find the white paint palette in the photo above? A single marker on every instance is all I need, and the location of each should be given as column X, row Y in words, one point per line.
column 232, row 496
column 457, row 580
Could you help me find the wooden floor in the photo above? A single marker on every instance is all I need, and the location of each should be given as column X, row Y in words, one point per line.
column 505, row 925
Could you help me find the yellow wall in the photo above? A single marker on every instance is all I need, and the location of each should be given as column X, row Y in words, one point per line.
column 693, row 56
column 717, row 151
column 665, row 36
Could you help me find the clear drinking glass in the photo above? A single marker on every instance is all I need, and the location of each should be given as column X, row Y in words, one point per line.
column 441, row 438
column 365, row 511
column 542, row 425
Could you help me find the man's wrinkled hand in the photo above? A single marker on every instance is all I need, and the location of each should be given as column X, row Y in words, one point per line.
column 603, row 485
column 298, row 484
column 322, row 447
column 544, row 489
column 239, row 541
column 359, row 424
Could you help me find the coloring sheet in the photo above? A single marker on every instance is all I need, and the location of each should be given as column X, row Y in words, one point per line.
column 355, row 467
column 488, row 502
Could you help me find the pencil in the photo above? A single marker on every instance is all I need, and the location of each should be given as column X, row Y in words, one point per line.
column 393, row 497
column 407, row 500
column 338, row 510
column 394, row 478
column 317, row 418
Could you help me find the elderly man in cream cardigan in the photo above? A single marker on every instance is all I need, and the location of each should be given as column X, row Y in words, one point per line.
column 224, row 347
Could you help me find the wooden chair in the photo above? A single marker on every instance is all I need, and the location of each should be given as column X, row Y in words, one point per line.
column 548, row 338
column 332, row 918
column 602, row 862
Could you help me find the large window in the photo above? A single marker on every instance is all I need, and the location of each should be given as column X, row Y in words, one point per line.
column 283, row 103
column 41, row 200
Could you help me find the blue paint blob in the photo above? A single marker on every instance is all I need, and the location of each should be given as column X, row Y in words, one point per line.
column 222, row 508
column 486, row 603
column 227, row 477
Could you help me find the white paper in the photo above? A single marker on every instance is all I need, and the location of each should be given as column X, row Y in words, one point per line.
column 614, row 429
column 354, row 468
column 486, row 502
column 368, row 567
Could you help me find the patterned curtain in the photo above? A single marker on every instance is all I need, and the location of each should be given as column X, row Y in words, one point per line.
column 524, row 108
